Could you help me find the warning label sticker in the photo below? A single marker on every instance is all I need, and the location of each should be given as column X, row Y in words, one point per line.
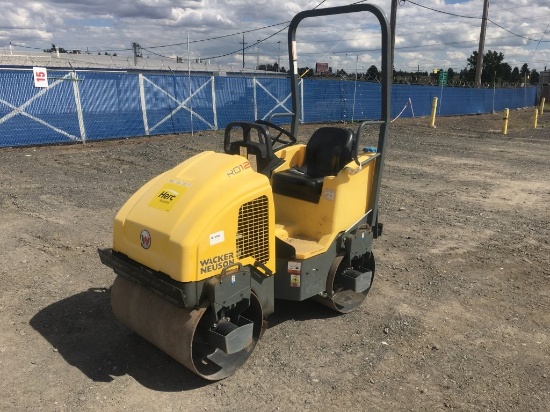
column 328, row 194
column 294, row 281
column 294, row 267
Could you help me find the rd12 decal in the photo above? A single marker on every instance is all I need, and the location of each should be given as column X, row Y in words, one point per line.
column 238, row 169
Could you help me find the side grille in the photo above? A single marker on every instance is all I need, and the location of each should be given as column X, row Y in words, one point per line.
column 253, row 230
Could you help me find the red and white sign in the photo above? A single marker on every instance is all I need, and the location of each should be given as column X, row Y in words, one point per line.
column 40, row 75
column 321, row 68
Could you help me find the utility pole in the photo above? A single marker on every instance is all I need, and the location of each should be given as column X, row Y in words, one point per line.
column 393, row 23
column 258, row 54
column 279, row 57
column 137, row 52
column 243, row 50
column 479, row 64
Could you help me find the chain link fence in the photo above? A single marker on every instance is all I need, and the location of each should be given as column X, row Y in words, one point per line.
column 83, row 105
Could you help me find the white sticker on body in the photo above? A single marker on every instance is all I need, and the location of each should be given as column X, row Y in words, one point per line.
column 217, row 237
column 328, row 194
column 294, row 267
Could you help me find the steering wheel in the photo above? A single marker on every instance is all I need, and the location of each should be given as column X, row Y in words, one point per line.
column 277, row 139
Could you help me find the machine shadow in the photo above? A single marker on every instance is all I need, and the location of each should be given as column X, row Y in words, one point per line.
column 299, row 311
column 86, row 333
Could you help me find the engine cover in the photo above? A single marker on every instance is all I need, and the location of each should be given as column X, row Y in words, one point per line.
column 208, row 213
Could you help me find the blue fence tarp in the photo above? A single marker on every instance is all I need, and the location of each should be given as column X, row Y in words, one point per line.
column 88, row 105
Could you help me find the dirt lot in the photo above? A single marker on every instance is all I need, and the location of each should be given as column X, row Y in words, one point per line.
column 458, row 317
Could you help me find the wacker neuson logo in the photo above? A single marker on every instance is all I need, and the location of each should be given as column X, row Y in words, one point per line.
column 145, row 238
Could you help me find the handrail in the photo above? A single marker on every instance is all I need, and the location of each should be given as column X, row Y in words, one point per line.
column 358, row 136
column 352, row 170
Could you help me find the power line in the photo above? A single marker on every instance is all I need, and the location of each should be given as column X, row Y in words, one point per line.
column 477, row 18
column 150, row 49
column 219, row 37
column 259, row 41
column 538, row 44
column 518, row 35
column 157, row 54
column 196, row 41
column 443, row 12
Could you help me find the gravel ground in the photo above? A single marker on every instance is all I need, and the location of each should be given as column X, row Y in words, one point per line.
column 458, row 317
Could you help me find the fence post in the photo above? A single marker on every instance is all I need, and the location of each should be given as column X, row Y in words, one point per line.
column 302, row 100
column 255, row 99
column 78, row 104
column 434, row 108
column 542, row 101
column 535, row 118
column 214, row 109
column 505, row 121
column 143, row 104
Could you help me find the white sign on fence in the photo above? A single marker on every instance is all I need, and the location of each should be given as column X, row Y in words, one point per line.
column 40, row 75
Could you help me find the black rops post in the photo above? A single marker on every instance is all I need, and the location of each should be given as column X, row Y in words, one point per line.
column 384, row 121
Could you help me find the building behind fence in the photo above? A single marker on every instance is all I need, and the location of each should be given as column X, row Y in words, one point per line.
column 82, row 106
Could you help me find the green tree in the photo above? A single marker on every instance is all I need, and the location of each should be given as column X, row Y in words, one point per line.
column 53, row 49
column 515, row 76
column 492, row 62
column 373, row 73
column 505, row 72
column 305, row 72
column 472, row 61
column 450, row 74
column 535, row 77
column 467, row 75
column 341, row 73
column 268, row 67
column 524, row 70
column 494, row 67
column 525, row 73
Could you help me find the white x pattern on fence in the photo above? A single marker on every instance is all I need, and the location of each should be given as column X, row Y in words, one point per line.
column 180, row 105
column 280, row 103
column 20, row 110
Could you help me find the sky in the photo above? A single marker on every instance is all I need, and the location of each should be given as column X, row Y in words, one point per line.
column 430, row 33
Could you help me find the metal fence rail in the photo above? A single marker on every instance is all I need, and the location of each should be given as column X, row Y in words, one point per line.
column 93, row 105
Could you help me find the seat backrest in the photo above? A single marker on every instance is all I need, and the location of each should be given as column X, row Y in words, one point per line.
column 329, row 149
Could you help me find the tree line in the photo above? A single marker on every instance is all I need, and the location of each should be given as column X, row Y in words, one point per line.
column 55, row 49
column 495, row 71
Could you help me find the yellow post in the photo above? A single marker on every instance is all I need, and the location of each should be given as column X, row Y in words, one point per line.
column 535, row 118
column 434, row 107
column 505, row 123
column 542, row 101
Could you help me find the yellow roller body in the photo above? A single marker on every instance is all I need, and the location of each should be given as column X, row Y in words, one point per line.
column 208, row 214
column 198, row 218
column 345, row 199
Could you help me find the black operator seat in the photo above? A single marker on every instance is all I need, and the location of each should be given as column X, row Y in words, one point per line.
column 329, row 149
